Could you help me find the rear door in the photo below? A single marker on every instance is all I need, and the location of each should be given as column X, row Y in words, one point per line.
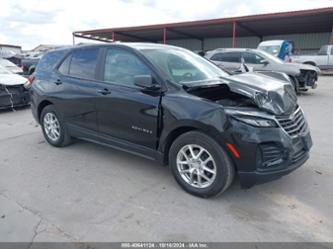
column 76, row 81
column 229, row 61
column 126, row 111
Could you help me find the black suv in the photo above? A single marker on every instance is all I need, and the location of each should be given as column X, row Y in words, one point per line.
column 169, row 104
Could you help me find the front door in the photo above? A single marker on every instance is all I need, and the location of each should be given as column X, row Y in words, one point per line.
column 124, row 110
column 254, row 61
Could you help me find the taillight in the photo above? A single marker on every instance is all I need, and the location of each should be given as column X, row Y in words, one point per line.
column 29, row 82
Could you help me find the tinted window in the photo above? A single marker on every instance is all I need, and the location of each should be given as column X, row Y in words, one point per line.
column 83, row 63
column 252, row 58
column 49, row 60
column 227, row 57
column 332, row 50
column 121, row 67
column 64, row 67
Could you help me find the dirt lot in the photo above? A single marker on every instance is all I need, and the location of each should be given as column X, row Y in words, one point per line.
column 86, row 192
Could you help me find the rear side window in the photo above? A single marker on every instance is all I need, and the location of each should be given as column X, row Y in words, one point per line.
column 83, row 63
column 227, row 57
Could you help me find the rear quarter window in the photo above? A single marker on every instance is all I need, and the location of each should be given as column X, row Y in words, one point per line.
column 227, row 57
column 49, row 61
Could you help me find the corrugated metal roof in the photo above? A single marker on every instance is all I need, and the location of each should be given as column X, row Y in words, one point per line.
column 305, row 21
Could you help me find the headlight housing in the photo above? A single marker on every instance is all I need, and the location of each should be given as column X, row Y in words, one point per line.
column 255, row 121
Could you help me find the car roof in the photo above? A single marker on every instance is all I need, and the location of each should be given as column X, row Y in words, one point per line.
column 271, row 42
column 135, row 45
column 235, row 50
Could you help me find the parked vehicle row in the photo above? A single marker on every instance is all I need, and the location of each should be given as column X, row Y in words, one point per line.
column 302, row 76
column 12, row 90
column 10, row 66
column 171, row 105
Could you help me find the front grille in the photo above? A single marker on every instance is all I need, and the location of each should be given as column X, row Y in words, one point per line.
column 298, row 156
column 271, row 154
column 294, row 124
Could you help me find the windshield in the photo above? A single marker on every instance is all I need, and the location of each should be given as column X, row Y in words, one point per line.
column 270, row 49
column 183, row 66
column 270, row 57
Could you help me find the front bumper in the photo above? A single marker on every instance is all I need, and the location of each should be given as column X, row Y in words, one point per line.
column 308, row 79
column 249, row 179
column 13, row 96
column 267, row 154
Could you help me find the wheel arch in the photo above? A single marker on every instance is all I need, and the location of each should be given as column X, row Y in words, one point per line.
column 168, row 137
column 41, row 106
column 310, row 63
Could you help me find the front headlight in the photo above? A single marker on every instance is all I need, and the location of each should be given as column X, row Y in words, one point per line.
column 261, row 99
column 255, row 121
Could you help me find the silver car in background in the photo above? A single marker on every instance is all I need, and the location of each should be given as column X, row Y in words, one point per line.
column 302, row 76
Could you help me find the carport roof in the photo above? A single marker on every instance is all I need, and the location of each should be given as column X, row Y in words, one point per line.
column 304, row 21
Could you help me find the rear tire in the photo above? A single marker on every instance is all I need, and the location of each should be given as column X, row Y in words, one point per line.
column 53, row 127
column 200, row 165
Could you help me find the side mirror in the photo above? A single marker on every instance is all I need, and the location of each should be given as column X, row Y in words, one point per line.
column 146, row 82
column 265, row 62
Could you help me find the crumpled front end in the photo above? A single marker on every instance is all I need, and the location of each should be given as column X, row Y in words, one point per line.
column 264, row 125
column 307, row 78
column 273, row 96
column 13, row 96
column 267, row 153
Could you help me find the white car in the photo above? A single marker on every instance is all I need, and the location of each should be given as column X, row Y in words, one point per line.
column 10, row 66
column 12, row 90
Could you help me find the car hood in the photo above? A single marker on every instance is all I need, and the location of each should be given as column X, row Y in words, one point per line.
column 12, row 79
column 268, row 94
column 297, row 66
column 274, row 96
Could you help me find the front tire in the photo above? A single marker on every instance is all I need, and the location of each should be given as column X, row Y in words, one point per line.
column 200, row 165
column 54, row 129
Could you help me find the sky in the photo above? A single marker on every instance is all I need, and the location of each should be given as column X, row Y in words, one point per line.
column 29, row 23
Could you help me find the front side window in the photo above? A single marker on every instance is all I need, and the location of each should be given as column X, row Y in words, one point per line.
column 252, row 58
column 323, row 50
column 122, row 66
column 83, row 63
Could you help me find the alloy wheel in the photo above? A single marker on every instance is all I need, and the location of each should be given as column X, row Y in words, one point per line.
column 51, row 126
column 196, row 166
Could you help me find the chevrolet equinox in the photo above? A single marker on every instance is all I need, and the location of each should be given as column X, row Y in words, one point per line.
column 168, row 104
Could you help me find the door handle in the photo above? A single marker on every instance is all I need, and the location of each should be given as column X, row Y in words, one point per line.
column 104, row 91
column 58, row 82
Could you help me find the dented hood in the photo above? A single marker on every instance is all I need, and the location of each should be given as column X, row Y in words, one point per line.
column 274, row 96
